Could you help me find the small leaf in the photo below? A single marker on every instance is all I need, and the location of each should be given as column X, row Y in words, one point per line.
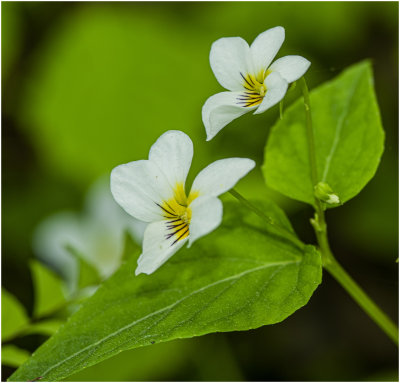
column 13, row 316
column 348, row 139
column 48, row 287
column 13, row 356
column 45, row 327
column 240, row 277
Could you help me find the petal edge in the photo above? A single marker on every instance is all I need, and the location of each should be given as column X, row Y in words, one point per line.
column 221, row 175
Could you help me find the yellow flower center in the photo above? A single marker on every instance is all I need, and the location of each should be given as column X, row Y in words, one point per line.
column 178, row 213
column 255, row 89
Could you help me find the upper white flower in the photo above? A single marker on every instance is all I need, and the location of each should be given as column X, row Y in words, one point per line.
column 153, row 191
column 246, row 71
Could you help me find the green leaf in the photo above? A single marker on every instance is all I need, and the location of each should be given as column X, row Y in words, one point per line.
column 13, row 356
column 240, row 277
column 348, row 134
column 45, row 327
column 13, row 315
column 49, row 295
column 171, row 357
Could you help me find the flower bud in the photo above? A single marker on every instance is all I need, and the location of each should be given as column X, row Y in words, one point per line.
column 325, row 194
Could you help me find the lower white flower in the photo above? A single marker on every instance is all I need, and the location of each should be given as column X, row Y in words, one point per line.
column 153, row 191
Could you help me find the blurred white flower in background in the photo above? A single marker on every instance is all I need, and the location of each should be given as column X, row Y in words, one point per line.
column 97, row 234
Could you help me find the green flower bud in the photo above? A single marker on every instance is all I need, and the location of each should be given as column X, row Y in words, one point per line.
column 325, row 194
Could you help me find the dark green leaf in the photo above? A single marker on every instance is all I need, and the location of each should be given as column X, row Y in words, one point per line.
column 240, row 277
column 348, row 138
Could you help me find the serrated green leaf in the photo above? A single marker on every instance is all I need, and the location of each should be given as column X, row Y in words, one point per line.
column 13, row 356
column 348, row 134
column 48, row 288
column 13, row 315
column 240, row 277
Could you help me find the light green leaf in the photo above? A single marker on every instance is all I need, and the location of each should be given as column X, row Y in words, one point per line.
column 239, row 277
column 48, row 287
column 348, row 137
column 13, row 315
column 44, row 327
column 13, row 356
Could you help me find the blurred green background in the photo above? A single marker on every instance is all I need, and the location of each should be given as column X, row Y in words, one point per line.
column 88, row 86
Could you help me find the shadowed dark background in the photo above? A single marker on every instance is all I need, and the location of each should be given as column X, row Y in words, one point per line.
column 88, row 86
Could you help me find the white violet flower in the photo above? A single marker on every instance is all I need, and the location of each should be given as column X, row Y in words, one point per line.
column 97, row 233
column 153, row 191
column 246, row 71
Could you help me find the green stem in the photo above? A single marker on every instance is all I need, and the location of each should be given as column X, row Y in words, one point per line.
column 328, row 260
column 265, row 217
column 363, row 300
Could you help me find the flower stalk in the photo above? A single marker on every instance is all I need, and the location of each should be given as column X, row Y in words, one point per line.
column 329, row 262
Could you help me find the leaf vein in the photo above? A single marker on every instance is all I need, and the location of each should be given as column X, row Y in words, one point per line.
column 167, row 308
column 338, row 130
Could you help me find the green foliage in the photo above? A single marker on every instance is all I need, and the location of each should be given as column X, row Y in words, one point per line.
column 138, row 364
column 44, row 327
column 348, row 138
column 13, row 356
column 242, row 276
column 49, row 295
column 13, row 316
column 114, row 97
column 11, row 30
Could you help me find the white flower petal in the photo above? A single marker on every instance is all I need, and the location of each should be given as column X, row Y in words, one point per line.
column 138, row 187
column 173, row 153
column 221, row 175
column 291, row 68
column 206, row 217
column 51, row 238
column 266, row 46
column 157, row 248
column 229, row 57
column 276, row 90
column 220, row 109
